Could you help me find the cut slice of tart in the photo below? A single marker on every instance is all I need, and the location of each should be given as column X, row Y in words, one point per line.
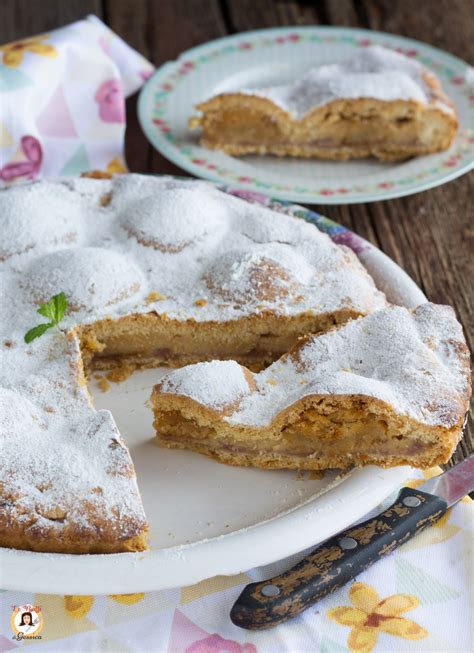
column 66, row 486
column 378, row 103
column 391, row 388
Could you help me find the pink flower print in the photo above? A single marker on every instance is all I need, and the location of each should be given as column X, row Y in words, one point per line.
column 349, row 239
column 29, row 169
column 250, row 195
column 105, row 44
column 111, row 103
column 145, row 74
column 216, row 644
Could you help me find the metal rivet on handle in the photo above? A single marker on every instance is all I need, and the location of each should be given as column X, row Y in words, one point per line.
column 347, row 543
column 270, row 590
column 411, row 502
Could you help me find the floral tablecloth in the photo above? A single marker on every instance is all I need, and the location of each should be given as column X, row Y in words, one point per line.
column 418, row 599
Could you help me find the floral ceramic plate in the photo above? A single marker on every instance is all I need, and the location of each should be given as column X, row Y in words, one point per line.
column 209, row 519
column 269, row 56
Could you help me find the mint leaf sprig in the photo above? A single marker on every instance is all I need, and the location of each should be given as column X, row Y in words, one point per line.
column 55, row 310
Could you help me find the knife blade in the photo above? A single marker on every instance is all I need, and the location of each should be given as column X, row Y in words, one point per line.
column 338, row 560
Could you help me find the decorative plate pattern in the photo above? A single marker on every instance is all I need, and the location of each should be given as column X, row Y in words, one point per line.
column 267, row 56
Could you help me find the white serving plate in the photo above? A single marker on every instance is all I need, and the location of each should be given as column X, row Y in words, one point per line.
column 207, row 518
column 278, row 55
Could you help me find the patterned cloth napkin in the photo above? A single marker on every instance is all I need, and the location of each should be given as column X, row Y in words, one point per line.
column 62, row 101
column 417, row 600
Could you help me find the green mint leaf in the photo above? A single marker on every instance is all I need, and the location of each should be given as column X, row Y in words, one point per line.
column 37, row 331
column 55, row 308
column 46, row 310
column 59, row 307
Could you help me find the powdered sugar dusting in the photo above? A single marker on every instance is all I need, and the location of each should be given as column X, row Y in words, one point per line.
column 84, row 473
column 108, row 244
column 217, row 384
column 416, row 362
column 165, row 221
column 372, row 72
column 25, row 224
column 393, row 355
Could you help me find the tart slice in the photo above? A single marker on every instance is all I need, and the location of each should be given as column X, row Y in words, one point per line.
column 378, row 103
column 388, row 389
column 66, row 487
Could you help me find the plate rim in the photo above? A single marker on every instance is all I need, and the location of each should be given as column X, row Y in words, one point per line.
column 83, row 574
column 173, row 154
column 137, row 572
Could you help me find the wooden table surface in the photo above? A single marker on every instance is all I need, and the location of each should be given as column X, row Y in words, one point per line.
column 430, row 234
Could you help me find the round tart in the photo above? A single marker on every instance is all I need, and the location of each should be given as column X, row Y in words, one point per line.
column 156, row 271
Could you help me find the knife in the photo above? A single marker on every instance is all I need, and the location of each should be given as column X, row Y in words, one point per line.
column 340, row 559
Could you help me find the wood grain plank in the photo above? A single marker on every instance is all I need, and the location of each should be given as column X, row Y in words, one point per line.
column 343, row 13
column 131, row 22
column 446, row 24
column 20, row 18
column 177, row 26
column 181, row 24
column 248, row 14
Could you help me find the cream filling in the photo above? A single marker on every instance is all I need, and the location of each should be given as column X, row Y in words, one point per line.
column 314, row 435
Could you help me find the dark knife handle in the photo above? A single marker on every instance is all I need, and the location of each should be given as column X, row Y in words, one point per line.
column 334, row 563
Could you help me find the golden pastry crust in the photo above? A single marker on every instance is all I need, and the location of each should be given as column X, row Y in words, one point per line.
column 388, row 389
column 20, row 530
column 242, row 124
column 150, row 340
column 379, row 103
column 405, row 442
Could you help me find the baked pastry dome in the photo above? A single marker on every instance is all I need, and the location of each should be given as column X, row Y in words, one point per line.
column 91, row 277
column 172, row 221
column 67, row 483
column 268, row 272
column 377, row 103
column 388, row 389
column 27, row 225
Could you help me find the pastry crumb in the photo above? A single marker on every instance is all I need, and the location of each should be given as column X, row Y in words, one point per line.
column 105, row 199
column 89, row 341
column 120, row 374
column 155, row 296
column 102, row 383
